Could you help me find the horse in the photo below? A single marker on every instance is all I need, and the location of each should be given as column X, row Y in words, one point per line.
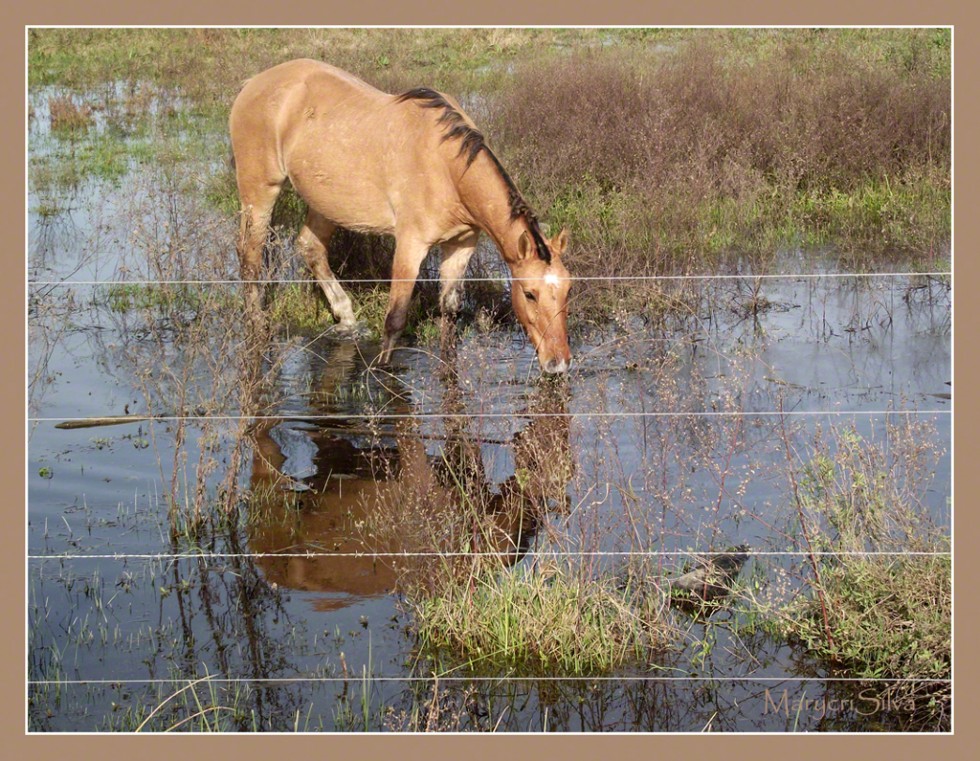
column 412, row 165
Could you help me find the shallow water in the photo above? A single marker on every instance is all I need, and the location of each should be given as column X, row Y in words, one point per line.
column 113, row 594
column 662, row 440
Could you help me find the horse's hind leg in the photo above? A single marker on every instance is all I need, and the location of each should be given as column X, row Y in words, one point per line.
column 455, row 258
column 312, row 243
column 257, row 199
column 409, row 254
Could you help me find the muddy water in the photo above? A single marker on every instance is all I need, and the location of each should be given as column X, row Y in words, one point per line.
column 662, row 440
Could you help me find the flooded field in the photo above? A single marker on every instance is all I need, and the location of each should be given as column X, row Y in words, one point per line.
column 282, row 543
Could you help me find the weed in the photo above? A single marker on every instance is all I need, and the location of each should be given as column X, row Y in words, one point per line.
column 873, row 612
column 67, row 116
column 663, row 161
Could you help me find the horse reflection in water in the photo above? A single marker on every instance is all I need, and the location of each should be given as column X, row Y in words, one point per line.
column 411, row 501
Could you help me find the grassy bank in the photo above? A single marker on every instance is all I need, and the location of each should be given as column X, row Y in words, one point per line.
column 660, row 150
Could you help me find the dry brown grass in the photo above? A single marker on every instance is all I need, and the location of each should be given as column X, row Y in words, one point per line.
column 656, row 159
column 67, row 115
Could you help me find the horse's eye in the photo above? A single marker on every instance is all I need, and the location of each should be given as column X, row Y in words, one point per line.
column 530, row 296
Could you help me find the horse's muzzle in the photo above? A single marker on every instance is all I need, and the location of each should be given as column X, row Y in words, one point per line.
column 556, row 366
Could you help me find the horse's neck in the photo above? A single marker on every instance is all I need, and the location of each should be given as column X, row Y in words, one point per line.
column 486, row 196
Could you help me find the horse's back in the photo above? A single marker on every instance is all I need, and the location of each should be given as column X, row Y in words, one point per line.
column 272, row 103
column 360, row 157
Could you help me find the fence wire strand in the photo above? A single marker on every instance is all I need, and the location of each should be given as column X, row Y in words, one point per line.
column 502, row 279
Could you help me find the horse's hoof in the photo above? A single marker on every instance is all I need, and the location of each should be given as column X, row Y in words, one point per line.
column 348, row 330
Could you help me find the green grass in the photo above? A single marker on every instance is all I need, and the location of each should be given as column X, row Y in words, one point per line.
column 126, row 297
column 890, row 617
column 300, row 307
column 878, row 218
column 83, row 57
column 99, row 156
column 293, row 307
column 911, row 215
column 140, row 125
column 555, row 622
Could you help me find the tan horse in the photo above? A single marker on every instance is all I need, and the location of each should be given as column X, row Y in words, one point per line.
column 412, row 165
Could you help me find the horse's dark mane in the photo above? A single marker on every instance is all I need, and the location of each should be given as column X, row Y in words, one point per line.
column 472, row 142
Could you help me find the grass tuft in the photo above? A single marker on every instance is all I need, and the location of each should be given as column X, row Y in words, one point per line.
column 551, row 622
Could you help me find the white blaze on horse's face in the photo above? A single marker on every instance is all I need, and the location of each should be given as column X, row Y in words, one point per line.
column 540, row 297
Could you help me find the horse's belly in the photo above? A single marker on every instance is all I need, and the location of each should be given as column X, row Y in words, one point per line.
column 348, row 199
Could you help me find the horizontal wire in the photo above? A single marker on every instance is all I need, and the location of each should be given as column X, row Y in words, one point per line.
column 502, row 279
column 495, row 415
column 542, row 555
column 354, row 677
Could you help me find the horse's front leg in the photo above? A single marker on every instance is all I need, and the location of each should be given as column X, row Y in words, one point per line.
column 409, row 255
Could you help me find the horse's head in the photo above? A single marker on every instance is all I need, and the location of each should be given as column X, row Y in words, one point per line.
column 540, row 296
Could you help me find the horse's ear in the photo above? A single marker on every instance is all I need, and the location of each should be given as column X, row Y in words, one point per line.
column 560, row 242
column 524, row 246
